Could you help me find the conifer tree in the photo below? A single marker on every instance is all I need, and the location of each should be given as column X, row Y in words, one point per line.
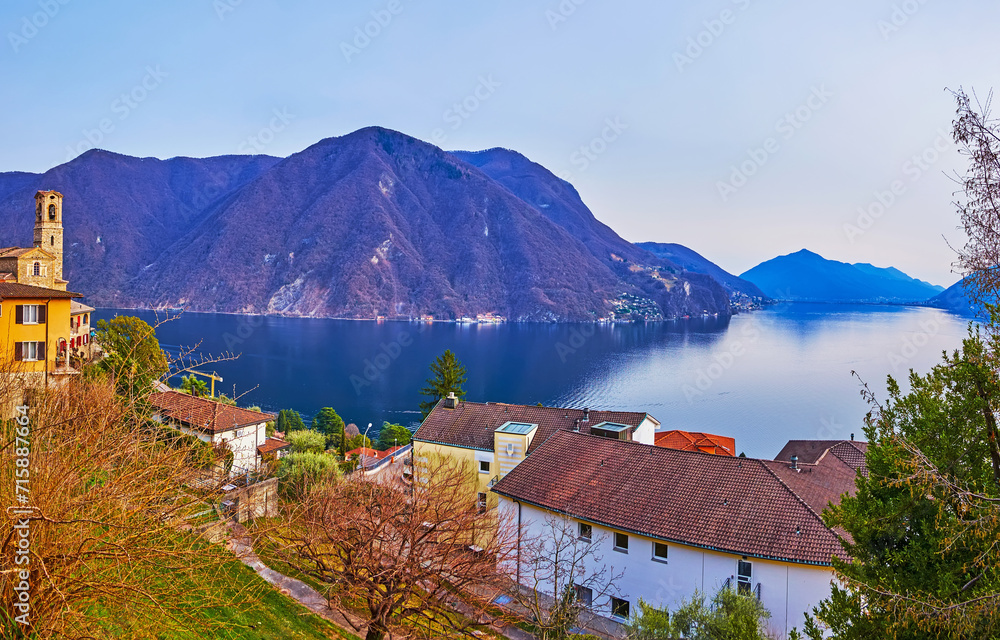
column 449, row 376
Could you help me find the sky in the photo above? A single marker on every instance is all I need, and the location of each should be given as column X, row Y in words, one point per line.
column 742, row 129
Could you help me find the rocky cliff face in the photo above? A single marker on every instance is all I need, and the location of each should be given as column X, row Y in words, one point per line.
column 372, row 223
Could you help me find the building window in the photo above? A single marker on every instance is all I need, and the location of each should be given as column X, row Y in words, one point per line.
column 484, row 466
column 52, row 212
column 481, row 501
column 660, row 551
column 586, row 531
column 621, row 542
column 619, row 608
column 584, row 595
column 744, row 576
column 30, row 351
column 36, row 269
column 239, row 433
column 32, row 314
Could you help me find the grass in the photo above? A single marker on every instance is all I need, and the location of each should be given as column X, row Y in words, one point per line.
column 265, row 614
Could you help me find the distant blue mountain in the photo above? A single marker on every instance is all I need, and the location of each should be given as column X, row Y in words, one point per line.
column 955, row 299
column 693, row 261
column 807, row 276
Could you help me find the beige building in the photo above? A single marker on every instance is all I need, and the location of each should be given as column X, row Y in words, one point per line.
column 492, row 438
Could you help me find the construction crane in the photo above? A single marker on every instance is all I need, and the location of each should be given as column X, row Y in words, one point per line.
column 214, row 376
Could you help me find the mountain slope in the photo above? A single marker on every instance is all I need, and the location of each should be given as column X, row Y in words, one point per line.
column 121, row 212
column 691, row 260
column 956, row 300
column 807, row 276
column 560, row 202
column 374, row 223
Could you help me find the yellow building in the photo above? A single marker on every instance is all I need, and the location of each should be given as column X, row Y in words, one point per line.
column 492, row 438
column 38, row 322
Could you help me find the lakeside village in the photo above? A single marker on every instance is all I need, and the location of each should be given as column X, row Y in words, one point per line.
column 671, row 513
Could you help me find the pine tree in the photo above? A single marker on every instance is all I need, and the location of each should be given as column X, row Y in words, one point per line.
column 449, row 376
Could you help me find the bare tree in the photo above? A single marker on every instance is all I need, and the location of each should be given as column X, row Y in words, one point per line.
column 102, row 514
column 402, row 553
column 562, row 577
column 977, row 133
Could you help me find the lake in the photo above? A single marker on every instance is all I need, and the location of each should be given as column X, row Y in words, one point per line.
column 763, row 378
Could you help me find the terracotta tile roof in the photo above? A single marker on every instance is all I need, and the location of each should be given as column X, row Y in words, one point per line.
column 271, row 445
column 471, row 424
column 15, row 290
column 817, row 484
column 731, row 505
column 204, row 414
column 851, row 452
column 696, row 441
column 363, row 452
column 78, row 307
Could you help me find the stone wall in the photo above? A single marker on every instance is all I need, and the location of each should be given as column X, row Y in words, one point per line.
column 258, row 500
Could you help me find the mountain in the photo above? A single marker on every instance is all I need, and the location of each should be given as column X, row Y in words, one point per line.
column 693, row 261
column 955, row 299
column 807, row 276
column 371, row 223
column 122, row 213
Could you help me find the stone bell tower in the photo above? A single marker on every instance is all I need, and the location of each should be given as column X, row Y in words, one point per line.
column 49, row 227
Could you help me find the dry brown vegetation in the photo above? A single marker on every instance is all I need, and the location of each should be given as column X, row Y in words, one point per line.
column 400, row 553
column 110, row 552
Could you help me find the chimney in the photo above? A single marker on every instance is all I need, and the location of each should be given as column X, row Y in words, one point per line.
column 795, row 463
column 852, row 437
column 586, row 415
column 576, row 425
column 451, row 401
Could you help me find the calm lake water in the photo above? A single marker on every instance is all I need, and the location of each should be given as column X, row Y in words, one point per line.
column 763, row 378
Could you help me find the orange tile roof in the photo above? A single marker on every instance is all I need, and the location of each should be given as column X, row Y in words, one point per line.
column 741, row 506
column 696, row 441
column 15, row 290
column 204, row 414
column 271, row 445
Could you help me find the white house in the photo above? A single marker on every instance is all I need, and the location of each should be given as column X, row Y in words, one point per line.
column 242, row 430
column 673, row 522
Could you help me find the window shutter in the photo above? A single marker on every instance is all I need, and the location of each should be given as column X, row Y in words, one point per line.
column 19, row 350
column 41, row 351
column 19, row 314
column 41, row 314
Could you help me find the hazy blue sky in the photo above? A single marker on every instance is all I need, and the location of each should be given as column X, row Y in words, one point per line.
column 825, row 104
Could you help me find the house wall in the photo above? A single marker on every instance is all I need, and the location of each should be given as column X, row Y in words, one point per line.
column 56, row 322
column 788, row 590
column 645, row 432
column 244, row 447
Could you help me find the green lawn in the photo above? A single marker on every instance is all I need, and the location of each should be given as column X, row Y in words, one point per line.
column 265, row 614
